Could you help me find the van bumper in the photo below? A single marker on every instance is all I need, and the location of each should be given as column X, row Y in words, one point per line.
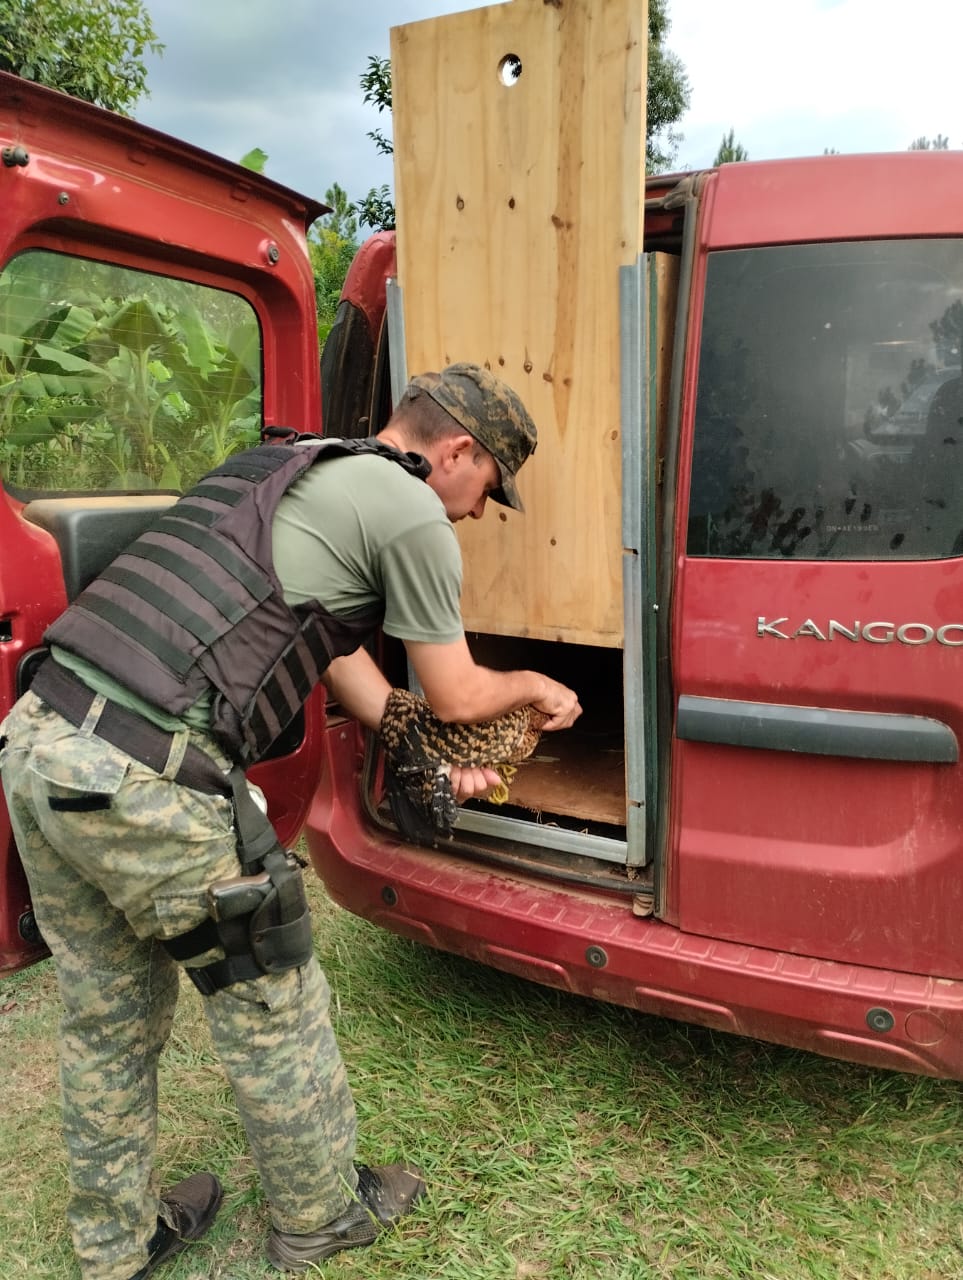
column 590, row 943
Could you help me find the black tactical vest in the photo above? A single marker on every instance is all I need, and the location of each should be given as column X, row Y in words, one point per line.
column 194, row 603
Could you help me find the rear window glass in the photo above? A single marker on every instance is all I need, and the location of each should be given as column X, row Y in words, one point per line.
column 829, row 415
column 118, row 380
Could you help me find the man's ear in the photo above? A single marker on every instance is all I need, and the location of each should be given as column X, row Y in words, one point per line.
column 458, row 447
column 465, row 444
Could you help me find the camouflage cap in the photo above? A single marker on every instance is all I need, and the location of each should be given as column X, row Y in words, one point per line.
column 490, row 411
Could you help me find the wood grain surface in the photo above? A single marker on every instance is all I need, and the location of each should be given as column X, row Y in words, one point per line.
column 519, row 134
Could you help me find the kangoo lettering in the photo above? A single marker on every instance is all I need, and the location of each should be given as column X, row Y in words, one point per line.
column 908, row 633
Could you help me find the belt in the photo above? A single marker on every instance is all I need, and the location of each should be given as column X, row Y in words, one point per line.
column 66, row 694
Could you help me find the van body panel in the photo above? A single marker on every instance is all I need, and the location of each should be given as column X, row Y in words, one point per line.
column 857, row 604
column 31, row 594
column 862, row 197
column 591, row 943
column 821, row 855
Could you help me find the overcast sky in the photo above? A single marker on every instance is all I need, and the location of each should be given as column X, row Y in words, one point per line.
column 791, row 77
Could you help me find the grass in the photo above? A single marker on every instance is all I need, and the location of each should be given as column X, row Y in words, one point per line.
column 562, row 1139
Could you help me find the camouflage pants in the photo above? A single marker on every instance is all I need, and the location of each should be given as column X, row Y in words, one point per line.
column 106, row 884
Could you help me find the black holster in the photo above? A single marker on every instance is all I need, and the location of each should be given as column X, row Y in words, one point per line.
column 280, row 928
column 261, row 919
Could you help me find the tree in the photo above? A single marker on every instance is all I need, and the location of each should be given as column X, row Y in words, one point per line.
column 342, row 221
column 376, row 210
column 91, row 49
column 939, row 143
column 667, row 93
column 376, row 82
column 948, row 333
column 730, row 151
column 332, row 244
column 667, row 96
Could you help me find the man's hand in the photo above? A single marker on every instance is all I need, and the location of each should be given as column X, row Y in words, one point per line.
column 472, row 783
column 559, row 703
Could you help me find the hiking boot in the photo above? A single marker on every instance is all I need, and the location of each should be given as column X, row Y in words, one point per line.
column 193, row 1204
column 384, row 1195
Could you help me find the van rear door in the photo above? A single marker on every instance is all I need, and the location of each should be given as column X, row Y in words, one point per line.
column 818, row 616
column 156, row 308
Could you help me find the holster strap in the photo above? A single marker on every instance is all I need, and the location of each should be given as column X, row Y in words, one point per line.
column 66, row 694
column 209, row 978
column 224, row 973
column 193, row 943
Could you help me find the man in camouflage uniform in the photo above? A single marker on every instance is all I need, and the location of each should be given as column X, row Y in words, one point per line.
column 120, row 853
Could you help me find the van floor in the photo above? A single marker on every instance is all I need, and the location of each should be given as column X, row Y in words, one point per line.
column 578, row 773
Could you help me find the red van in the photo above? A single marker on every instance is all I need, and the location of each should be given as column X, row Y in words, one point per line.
column 758, row 823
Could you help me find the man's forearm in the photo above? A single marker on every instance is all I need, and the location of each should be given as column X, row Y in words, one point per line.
column 488, row 693
column 359, row 686
column 461, row 691
column 457, row 689
column 357, row 683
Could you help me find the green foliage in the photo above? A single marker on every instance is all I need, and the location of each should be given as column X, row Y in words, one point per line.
column 667, row 93
column 255, row 160
column 111, row 388
column 948, row 334
column 332, row 244
column 730, row 151
column 377, row 209
column 342, row 221
column 91, row 49
column 376, row 83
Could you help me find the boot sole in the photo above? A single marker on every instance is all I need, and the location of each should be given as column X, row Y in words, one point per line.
column 287, row 1254
column 287, row 1257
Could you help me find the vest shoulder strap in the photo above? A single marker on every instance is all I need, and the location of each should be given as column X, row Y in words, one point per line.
column 332, row 447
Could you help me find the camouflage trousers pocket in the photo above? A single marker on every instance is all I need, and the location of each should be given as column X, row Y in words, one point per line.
column 180, row 912
column 77, row 766
column 277, row 995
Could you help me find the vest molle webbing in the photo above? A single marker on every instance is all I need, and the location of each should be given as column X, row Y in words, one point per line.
column 194, row 603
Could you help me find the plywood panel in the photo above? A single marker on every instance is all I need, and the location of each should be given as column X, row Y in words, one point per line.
column 663, row 285
column 517, row 204
column 576, row 774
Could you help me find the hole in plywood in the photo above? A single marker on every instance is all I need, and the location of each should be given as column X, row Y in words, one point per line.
column 510, row 69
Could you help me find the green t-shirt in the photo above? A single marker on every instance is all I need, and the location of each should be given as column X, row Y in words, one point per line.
column 355, row 531
column 350, row 533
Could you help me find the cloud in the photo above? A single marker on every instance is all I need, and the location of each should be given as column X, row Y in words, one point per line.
column 791, row 77
column 282, row 75
column 798, row 76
